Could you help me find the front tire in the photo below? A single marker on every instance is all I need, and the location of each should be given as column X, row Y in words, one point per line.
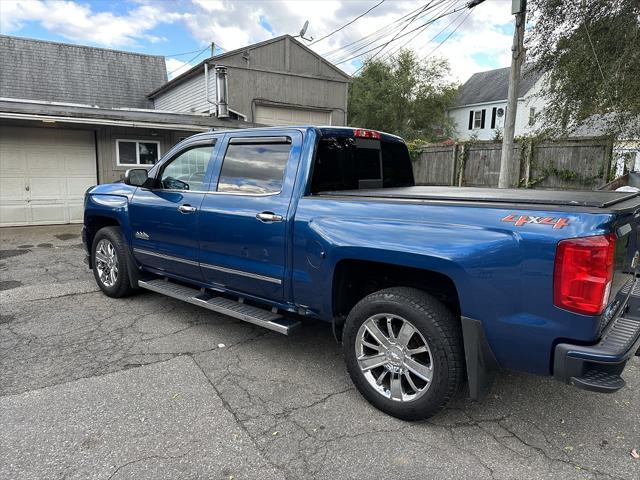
column 404, row 352
column 109, row 260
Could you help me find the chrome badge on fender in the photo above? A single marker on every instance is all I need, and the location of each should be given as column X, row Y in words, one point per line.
column 141, row 235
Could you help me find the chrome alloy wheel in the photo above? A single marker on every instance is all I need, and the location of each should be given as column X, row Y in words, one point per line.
column 394, row 357
column 106, row 262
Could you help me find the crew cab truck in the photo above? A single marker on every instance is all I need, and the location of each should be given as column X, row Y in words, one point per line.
column 425, row 287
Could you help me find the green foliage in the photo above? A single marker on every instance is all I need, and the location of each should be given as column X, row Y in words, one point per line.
column 578, row 43
column 415, row 146
column 404, row 96
column 565, row 175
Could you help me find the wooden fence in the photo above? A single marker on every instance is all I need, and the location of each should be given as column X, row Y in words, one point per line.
column 571, row 164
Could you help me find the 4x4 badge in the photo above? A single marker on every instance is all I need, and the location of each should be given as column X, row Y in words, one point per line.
column 520, row 220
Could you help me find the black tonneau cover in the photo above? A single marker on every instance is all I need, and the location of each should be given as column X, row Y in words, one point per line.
column 592, row 199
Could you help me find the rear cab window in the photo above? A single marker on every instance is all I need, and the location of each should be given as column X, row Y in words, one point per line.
column 344, row 162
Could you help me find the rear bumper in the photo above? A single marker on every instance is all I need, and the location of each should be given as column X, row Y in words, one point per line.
column 598, row 367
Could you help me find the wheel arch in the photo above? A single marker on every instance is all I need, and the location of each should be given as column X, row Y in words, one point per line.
column 353, row 279
column 93, row 224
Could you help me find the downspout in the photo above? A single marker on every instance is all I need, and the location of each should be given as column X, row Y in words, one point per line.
column 206, row 87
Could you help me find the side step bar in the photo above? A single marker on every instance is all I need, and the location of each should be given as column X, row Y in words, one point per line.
column 247, row 313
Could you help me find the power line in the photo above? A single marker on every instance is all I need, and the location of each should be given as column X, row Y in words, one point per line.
column 386, row 32
column 189, row 61
column 401, row 36
column 595, row 55
column 348, row 23
column 383, row 29
column 450, row 34
column 394, row 37
column 391, row 54
column 183, row 53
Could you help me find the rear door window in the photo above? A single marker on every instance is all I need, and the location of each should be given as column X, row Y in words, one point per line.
column 254, row 166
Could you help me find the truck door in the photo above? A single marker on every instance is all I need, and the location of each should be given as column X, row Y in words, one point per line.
column 244, row 216
column 164, row 218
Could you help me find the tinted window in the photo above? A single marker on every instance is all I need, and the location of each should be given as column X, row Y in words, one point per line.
column 397, row 170
column 187, row 170
column 254, row 168
column 346, row 163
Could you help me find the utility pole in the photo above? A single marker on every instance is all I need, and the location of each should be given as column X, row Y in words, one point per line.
column 507, row 167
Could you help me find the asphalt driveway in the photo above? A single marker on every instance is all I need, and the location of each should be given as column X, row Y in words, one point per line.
column 149, row 387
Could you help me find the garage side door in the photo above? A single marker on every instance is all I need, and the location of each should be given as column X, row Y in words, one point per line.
column 44, row 173
column 268, row 115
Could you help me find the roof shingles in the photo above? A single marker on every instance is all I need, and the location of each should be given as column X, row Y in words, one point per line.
column 493, row 86
column 59, row 72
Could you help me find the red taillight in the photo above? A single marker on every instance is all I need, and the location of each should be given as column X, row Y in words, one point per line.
column 362, row 133
column 583, row 272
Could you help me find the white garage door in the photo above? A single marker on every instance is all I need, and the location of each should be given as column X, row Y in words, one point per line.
column 291, row 116
column 44, row 173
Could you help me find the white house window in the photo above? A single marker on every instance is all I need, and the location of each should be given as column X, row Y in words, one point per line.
column 532, row 116
column 477, row 119
column 137, row 152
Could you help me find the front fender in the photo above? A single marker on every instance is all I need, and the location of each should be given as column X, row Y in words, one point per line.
column 109, row 201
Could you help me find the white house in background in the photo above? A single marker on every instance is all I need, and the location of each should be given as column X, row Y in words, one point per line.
column 480, row 107
column 480, row 111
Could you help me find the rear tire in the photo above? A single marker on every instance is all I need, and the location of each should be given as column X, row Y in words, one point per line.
column 109, row 259
column 404, row 352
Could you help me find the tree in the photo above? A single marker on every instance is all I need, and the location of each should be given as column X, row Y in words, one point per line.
column 590, row 50
column 403, row 96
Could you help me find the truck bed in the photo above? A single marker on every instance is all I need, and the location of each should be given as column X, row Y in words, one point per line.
column 554, row 198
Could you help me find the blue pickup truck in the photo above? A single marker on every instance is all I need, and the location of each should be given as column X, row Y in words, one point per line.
column 427, row 288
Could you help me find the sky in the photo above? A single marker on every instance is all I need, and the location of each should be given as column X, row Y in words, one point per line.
column 183, row 30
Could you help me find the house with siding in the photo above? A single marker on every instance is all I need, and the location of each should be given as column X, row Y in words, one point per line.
column 72, row 116
column 480, row 107
column 88, row 114
column 276, row 82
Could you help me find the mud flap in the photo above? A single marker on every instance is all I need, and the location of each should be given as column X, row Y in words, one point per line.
column 133, row 269
column 482, row 365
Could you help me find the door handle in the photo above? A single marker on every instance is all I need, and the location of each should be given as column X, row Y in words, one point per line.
column 268, row 217
column 187, row 209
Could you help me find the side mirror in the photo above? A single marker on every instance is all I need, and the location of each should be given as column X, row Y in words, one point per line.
column 136, row 176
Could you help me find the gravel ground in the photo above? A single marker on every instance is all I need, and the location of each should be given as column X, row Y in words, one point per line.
column 149, row 387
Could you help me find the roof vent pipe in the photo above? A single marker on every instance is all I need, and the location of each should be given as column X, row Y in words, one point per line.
column 221, row 92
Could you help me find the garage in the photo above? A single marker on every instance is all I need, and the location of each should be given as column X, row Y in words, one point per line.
column 271, row 115
column 44, row 173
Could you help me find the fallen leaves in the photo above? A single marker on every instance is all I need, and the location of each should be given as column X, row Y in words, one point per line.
column 634, row 454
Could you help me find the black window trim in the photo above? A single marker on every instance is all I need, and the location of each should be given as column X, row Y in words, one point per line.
column 259, row 140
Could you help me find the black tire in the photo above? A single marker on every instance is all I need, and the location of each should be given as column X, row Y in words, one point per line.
column 443, row 334
column 122, row 286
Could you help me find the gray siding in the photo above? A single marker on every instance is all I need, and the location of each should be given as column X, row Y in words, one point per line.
column 59, row 72
column 281, row 72
column 108, row 170
column 188, row 96
column 248, row 87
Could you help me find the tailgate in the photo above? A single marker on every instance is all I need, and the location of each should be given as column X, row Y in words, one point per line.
column 627, row 228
